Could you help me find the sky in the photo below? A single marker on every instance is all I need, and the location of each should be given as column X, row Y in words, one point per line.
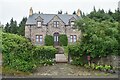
column 17, row 9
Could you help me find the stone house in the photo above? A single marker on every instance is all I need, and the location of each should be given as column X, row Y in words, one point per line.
column 39, row 25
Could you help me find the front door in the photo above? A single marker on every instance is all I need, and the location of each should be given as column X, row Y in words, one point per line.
column 56, row 39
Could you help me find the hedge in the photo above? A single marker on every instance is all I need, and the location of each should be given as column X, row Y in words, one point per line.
column 63, row 40
column 49, row 41
column 21, row 55
column 78, row 57
column 17, row 52
column 43, row 53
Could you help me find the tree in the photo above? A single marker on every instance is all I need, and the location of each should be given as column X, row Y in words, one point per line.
column 7, row 28
column 13, row 26
column 99, row 38
column 21, row 29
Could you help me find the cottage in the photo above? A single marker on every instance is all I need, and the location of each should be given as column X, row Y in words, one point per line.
column 39, row 25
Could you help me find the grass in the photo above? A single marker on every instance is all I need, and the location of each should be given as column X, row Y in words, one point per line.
column 66, row 51
column 11, row 72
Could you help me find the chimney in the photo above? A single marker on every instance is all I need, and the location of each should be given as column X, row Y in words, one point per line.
column 78, row 12
column 31, row 12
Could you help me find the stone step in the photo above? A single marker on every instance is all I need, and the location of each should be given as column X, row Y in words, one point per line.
column 60, row 58
column 60, row 49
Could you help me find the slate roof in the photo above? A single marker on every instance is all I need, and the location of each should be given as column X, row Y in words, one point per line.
column 47, row 17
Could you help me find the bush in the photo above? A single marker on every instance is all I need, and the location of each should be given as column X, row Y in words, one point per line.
column 17, row 52
column 49, row 40
column 44, row 53
column 63, row 40
column 77, row 55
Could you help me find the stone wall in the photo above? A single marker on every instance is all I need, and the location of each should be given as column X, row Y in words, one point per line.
column 50, row 30
column 109, row 60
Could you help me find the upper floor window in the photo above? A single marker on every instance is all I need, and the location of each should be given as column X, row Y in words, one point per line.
column 56, row 23
column 72, row 23
column 73, row 38
column 39, row 23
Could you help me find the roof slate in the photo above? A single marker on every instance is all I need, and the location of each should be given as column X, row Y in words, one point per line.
column 47, row 17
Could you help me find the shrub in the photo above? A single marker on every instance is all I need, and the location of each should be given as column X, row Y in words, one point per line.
column 77, row 55
column 17, row 52
column 44, row 53
column 63, row 40
column 49, row 41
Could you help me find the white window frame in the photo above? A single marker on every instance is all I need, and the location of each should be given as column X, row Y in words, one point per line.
column 73, row 38
column 39, row 23
column 72, row 23
column 56, row 24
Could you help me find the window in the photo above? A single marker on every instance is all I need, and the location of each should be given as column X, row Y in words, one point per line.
column 39, row 23
column 56, row 23
column 72, row 23
column 39, row 39
column 73, row 38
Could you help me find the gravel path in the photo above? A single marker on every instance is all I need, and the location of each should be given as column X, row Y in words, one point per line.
column 67, row 70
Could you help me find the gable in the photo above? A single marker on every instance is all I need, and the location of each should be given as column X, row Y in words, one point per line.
column 55, row 18
column 39, row 19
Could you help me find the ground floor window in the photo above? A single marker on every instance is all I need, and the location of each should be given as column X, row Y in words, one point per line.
column 39, row 39
column 73, row 38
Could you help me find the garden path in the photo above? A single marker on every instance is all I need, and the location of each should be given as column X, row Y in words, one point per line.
column 65, row 70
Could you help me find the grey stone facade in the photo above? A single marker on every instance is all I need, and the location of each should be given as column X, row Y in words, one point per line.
column 47, row 27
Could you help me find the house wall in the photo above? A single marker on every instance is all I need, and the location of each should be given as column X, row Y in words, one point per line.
column 35, row 31
column 50, row 30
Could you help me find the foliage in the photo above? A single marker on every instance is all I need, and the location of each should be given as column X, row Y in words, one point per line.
column 101, row 15
column 98, row 38
column 21, row 28
column 17, row 52
column 49, row 41
column 44, row 53
column 12, row 27
column 75, row 52
column 20, row 54
column 98, row 67
column 63, row 40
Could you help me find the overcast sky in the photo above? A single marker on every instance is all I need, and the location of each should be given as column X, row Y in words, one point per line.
column 20, row 8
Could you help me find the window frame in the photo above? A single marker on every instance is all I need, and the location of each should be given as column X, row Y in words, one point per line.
column 39, row 38
column 39, row 25
column 73, row 38
column 55, row 24
column 72, row 24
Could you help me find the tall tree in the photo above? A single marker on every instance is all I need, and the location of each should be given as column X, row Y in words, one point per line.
column 21, row 28
column 13, row 26
column 7, row 28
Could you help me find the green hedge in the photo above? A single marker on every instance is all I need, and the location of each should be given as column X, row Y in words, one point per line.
column 17, row 52
column 78, row 57
column 43, row 53
column 63, row 40
column 49, row 41
column 21, row 55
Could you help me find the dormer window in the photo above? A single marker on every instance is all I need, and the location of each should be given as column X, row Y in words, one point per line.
column 39, row 24
column 55, row 23
column 72, row 23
